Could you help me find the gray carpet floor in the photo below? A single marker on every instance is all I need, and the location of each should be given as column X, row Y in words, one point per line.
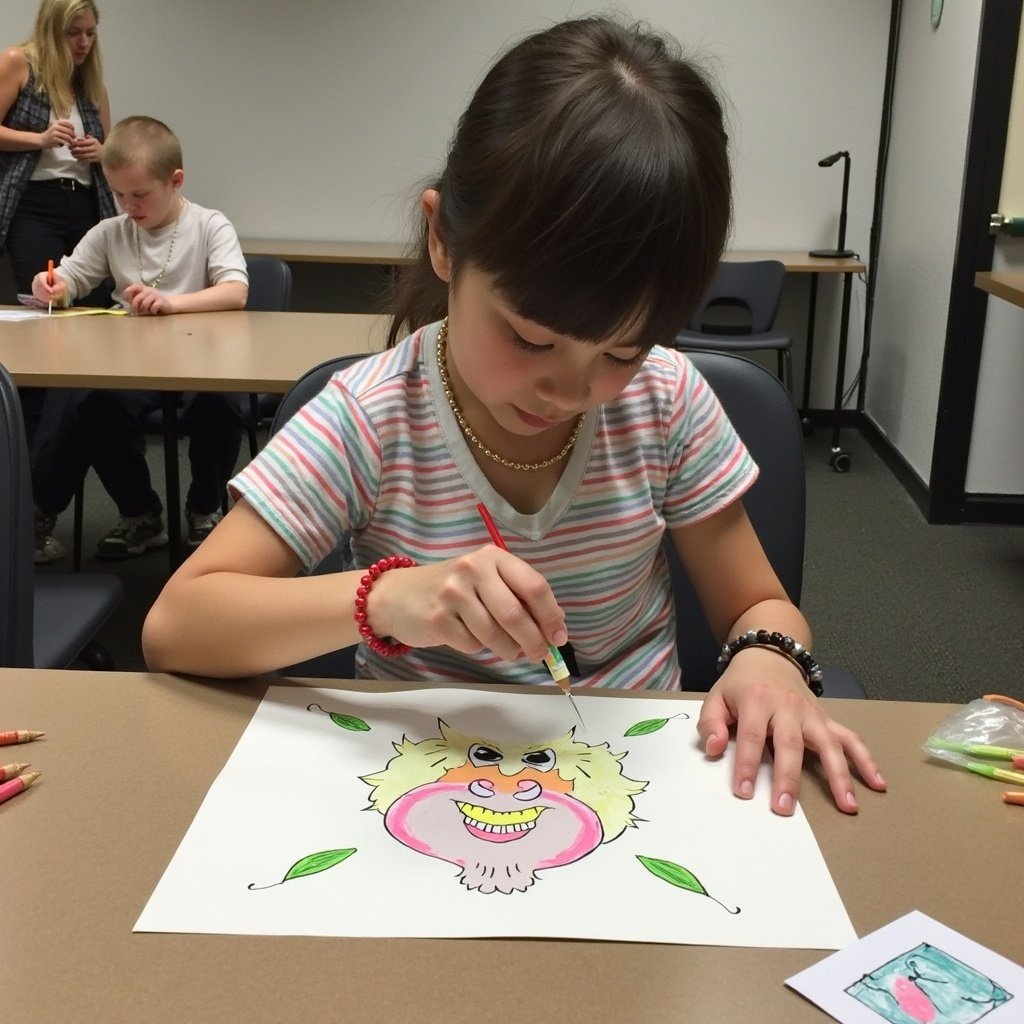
column 916, row 612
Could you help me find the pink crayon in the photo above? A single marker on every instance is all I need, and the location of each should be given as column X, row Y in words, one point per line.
column 16, row 786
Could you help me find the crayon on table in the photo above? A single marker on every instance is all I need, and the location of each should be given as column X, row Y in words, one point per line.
column 19, row 736
column 1013, row 798
column 16, row 786
column 9, row 771
column 996, row 773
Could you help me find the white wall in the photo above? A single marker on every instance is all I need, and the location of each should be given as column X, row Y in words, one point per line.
column 934, row 85
column 313, row 119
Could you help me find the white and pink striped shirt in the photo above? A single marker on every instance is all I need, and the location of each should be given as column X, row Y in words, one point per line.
column 378, row 455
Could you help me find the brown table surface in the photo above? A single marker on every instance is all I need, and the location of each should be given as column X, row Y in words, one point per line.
column 1004, row 284
column 225, row 351
column 128, row 758
column 397, row 253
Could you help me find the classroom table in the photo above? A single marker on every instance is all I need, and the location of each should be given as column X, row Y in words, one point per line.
column 1004, row 284
column 397, row 254
column 243, row 351
column 128, row 759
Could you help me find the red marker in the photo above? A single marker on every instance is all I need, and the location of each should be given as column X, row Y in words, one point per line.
column 49, row 281
column 16, row 786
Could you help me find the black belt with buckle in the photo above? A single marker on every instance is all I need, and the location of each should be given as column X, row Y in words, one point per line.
column 67, row 184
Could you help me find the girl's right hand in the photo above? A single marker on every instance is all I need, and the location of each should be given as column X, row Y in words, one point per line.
column 60, row 133
column 486, row 600
column 57, row 293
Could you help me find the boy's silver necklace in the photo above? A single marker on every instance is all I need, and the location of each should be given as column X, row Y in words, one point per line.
column 170, row 249
column 442, row 369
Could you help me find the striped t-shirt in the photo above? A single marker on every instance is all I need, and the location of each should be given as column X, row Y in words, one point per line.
column 379, row 456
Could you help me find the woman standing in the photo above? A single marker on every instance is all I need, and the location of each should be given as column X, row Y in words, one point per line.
column 54, row 116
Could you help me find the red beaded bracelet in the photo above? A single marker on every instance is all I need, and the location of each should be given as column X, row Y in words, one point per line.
column 387, row 648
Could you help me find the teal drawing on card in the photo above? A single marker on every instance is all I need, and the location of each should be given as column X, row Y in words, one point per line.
column 928, row 986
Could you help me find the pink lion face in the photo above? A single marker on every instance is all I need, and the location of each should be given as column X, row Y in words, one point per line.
column 499, row 822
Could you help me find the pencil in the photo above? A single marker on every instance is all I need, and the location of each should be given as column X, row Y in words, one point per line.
column 553, row 659
column 9, row 771
column 16, row 786
column 979, row 750
column 49, row 281
column 19, row 736
column 1001, row 774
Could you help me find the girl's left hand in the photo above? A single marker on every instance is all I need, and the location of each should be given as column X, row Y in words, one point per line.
column 146, row 301
column 765, row 697
column 86, row 148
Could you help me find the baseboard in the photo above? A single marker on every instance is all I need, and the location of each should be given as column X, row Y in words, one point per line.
column 905, row 474
column 1001, row 509
column 998, row 509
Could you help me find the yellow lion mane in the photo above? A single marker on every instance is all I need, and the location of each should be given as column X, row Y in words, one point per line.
column 594, row 771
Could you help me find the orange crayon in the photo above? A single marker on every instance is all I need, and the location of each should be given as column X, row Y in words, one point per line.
column 19, row 736
column 10, row 771
column 1013, row 798
column 16, row 786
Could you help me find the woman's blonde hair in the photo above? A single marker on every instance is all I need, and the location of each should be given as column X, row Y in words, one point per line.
column 50, row 57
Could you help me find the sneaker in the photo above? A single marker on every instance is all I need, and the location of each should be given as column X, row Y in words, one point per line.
column 133, row 535
column 200, row 526
column 47, row 548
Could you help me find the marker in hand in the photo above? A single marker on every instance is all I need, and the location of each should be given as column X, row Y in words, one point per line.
column 49, row 281
column 553, row 659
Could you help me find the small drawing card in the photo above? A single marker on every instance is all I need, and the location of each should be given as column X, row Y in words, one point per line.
column 915, row 971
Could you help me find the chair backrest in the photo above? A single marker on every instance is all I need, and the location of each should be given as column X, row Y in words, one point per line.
column 764, row 416
column 270, row 284
column 308, row 386
column 753, row 285
column 17, row 571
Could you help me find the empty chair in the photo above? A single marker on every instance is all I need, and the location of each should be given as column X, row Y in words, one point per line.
column 755, row 287
column 46, row 620
column 767, row 421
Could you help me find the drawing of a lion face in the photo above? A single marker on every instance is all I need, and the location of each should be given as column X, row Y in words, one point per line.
column 503, row 810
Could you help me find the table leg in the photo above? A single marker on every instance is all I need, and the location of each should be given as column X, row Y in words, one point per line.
column 839, row 458
column 172, row 484
column 812, row 307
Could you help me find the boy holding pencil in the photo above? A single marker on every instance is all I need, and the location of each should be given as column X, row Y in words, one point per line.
column 165, row 255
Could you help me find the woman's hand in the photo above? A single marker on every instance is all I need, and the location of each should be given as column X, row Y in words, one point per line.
column 60, row 133
column 766, row 697
column 486, row 600
column 86, row 148
column 146, row 301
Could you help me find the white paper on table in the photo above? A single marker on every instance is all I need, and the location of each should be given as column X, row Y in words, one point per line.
column 292, row 788
column 915, row 970
column 22, row 314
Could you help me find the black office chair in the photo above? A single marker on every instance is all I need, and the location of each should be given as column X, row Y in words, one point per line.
column 270, row 291
column 46, row 620
column 755, row 288
column 765, row 418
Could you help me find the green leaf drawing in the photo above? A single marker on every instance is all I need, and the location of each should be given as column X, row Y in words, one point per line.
column 349, row 722
column 311, row 865
column 649, row 725
column 682, row 878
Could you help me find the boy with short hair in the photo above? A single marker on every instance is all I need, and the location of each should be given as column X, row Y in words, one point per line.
column 165, row 255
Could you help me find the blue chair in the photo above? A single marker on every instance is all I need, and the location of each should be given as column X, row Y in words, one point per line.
column 755, row 288
column 47, row 620
column 764, row 416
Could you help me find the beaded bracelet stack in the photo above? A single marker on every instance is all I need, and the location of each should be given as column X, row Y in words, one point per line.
column 387, row 648
column 785, row 645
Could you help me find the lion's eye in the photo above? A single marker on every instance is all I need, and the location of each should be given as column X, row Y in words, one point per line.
column 542, row 760
column 480, row 755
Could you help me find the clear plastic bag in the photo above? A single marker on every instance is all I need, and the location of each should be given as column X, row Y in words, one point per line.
column 992, row 721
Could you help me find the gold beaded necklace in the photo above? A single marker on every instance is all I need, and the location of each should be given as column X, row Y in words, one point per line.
column 170, row 249
column 442, row 369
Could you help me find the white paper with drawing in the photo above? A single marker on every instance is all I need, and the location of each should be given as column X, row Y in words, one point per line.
column 444, row 812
